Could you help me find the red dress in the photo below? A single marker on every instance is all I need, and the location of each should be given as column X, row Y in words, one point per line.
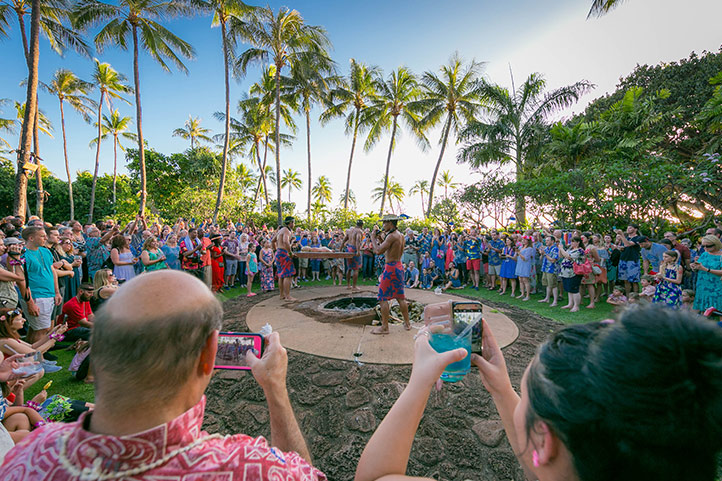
column 217, row 268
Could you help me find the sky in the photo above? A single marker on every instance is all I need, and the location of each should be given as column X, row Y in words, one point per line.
column 553, row 38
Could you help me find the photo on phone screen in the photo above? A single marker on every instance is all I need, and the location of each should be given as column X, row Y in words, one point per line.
column 232, row 349
column 465, row 313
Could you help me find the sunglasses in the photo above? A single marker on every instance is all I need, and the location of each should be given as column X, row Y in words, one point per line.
column 707, row 245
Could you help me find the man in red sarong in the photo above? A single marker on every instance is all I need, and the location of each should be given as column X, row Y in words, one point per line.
column 154, row 348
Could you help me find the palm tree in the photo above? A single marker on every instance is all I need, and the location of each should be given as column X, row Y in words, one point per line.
column 602, row 7
column 514, row 121
column 193, row 131
column 352, row 95
column 136, row 21
column 322, row 190
column 311, row 79
column 245, row 176
column 110, row 84
column 447, row 182
column 453, row 94
column 391, row 189
column 292, row 180
column 348, row 199
column 420, row 187
column 395, row 99
column 285, row 39
column 67, row 87
column 116, row 126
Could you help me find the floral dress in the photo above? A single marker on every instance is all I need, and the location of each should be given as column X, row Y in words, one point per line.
column 667, row 292
column 267, row 283
column 709, row 286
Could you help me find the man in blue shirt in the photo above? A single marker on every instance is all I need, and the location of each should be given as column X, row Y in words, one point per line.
column 424, row 242
column 44, row 292
column 550, row 269
column 412, row 275
column 651, row 255
column 495, row 246
column 473, row 256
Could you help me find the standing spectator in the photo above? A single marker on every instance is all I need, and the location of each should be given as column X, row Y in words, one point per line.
column 495, row 248
column 524, row 266
column 411, row 248
column 42, row 283
column 96, row 249
column 191, row 249
column 460, row 259
column 206, row 258
column 217, row 266
column 266, row 267
column 104, row 286
column 550, row 269
column 75, row 262
column 316, row 263
column 589, row 280
column 709, row 275
column 570, row 280
column 651, row 255
column 629, row 268
column 612, row 263
column 472, row 249
column 243, row 249
column 122, row 258
column 367, row 258
column 251, row 271
column 685, row 257
column 601, row 278
column 231, row 247
column 438, row 251
column 152, row 257
column 78, row 314
column 508, row 267
column 171, row 250
column 8, row 281
column 669, row 289
column 425, row 240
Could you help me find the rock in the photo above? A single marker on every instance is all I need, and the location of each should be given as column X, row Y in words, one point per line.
column 429, row 451
column 333, row 365
column 361, row 420
column 490, row 432
column 309, row 396
column 357, row 397
column 326, row 379
column 259, row 413
column 329, row 420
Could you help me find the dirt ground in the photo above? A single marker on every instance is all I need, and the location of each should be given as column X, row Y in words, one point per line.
column 339, row 404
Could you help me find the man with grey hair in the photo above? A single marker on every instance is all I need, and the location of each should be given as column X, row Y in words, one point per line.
column 154, row 346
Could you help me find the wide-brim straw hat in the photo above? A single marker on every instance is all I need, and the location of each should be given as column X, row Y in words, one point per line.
column 391, row 217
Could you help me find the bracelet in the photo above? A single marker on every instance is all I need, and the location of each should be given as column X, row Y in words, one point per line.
column 33, row 405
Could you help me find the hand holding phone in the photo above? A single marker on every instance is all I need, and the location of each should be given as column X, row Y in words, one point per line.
column 233, row 348
column 270, row 369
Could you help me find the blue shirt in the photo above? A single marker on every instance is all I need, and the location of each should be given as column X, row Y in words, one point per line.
column 472, row 247
column 494, row 259
column 654, row 255
column 547, row 265
column 39, row 266
column 424, row 243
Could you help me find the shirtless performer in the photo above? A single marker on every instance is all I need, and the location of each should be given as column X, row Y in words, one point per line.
column 281, row 243
column 392, row 279
column 352, row 241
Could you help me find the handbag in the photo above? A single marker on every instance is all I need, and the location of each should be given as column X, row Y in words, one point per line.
column 582, row 269
column 596, row 269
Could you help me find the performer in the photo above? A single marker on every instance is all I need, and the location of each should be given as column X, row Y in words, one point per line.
column 281, row 242
column 392, row 279
column 352, row 241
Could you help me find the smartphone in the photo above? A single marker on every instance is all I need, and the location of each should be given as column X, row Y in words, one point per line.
column 232, row 349
column 464, row 313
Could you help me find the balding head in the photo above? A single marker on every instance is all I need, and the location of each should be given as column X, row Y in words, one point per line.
column 148, row 337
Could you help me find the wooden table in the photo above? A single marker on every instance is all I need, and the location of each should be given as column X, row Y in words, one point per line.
column 323, row 255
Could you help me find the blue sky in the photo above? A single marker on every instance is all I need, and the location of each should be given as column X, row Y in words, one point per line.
column 550, row 37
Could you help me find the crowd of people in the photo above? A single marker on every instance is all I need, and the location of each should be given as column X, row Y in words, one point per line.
column 55, row 278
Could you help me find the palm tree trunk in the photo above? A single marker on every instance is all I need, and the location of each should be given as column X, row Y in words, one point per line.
column 115, row 169
column 423, row 208
column 138, row 120
column 219, row 199
column 447, row 127
column 388, row 165
column 263, row 170
column 67, row 164
column 261, row 178
column 97, row 158
column 520, row 203
column 40, row 200
column 278, row 141
column 308, row 144
column 21, row 178
column 350, row 160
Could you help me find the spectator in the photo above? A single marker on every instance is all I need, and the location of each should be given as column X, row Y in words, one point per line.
column 453, row 275
column 411, row 248
column 8, row 280
column 104, row 286
column 152, row 257
column 524, row 268
column 494, row 248
column 78, row 315
column 42, row 283
column 206, row 258
column 648, row 288
column 617, row 297
column 231, row 257
column 472, row 250
column 191, row 249
column 709, row 271
column 11, row 322
column 412, row 276
column 550, row 270
column 171, row 251
column 266, row 267
column 669, row 289
column 571, row 280
column 629, row 268
column 508, row 267
column 122, row 258
column 651, row 255
column 687, row 299
column 153, row 356
column 75, row 263
column 97, row 250
column 426, row 279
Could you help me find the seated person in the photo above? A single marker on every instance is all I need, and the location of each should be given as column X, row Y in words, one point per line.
column 454, row 282
column 412, row 275
column 617, row 298
column 104, row 286
column 426, row 282
column 78, row 315
column 648, row 288
column 687, row 299
column 154, row 348
column 592, row 401
column 437, row 277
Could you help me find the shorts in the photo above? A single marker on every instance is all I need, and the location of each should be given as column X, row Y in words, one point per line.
column 473, row 264
column 392, row 282
column 284, row 264
column 628, row 271
column 494, row 270
column 571, row 284
column 231, row 267
column 354, row 263
column 303, row 262
column 44, row 319
column 549, row 279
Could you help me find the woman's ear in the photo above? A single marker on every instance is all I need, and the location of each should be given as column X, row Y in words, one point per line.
column 546, row 443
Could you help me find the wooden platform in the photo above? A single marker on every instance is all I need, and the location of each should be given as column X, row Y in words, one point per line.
column 323, row 255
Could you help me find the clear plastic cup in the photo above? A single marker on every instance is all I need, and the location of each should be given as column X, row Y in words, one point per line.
column 442, row 339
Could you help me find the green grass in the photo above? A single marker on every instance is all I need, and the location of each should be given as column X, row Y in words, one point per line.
column 63, row 382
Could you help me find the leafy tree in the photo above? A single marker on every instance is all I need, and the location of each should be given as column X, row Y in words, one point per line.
column 395, row 98
column 447, row 182
column 511, row 133
column 136, row 21
column 392, row 190
column 352, row 95
column 455, row 95
column 446, row 212
column 115, row 126
column 420, row 187
column 710, row 117
column 66, row 86
column 285, row 39
column 193, row 131
column 292, row 180
column 322, row 190
column 111, row 85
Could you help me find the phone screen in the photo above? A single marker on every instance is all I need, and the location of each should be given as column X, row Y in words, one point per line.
column 232, row 349
column 466, row 313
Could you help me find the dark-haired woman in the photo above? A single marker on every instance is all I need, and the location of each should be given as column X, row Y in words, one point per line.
column 709, row 275
column 599, row 402
column 570, row 280
column 122, row 257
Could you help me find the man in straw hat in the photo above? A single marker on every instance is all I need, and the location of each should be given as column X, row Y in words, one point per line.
column 392, row 279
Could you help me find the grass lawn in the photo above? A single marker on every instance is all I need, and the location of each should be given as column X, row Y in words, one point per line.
column 63, row 382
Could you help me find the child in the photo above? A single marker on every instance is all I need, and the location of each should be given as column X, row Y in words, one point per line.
column 633, row 298
column 648, row 288
column 426, row 261
column 669, row 290
column 251, row 270
column 426, row 279
column 617, row 298
column 687, row 299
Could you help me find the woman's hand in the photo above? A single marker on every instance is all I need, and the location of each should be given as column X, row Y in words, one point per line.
column 429, row 364
column 491, row 363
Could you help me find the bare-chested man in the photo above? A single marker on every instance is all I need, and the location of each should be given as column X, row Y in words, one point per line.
column 352, row 241
column 392, row 279
column 281, row 243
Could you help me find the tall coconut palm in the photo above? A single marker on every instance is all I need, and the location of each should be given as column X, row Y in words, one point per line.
column 395, row 98
column 348, row 199
column 67, row 87
column 292, row 180
column 322, row 191
column 111, row 85
column 454, row 96
column 136, row 22
column 192, row 131
column 115, row 126
column 514, row 119
column 602, row 7
column 420, row 187
column 353, row 96
column 391, row 189
column 284, row 39
column 446, row 180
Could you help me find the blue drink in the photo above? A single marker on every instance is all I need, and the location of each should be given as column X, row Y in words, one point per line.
column 442, row 342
